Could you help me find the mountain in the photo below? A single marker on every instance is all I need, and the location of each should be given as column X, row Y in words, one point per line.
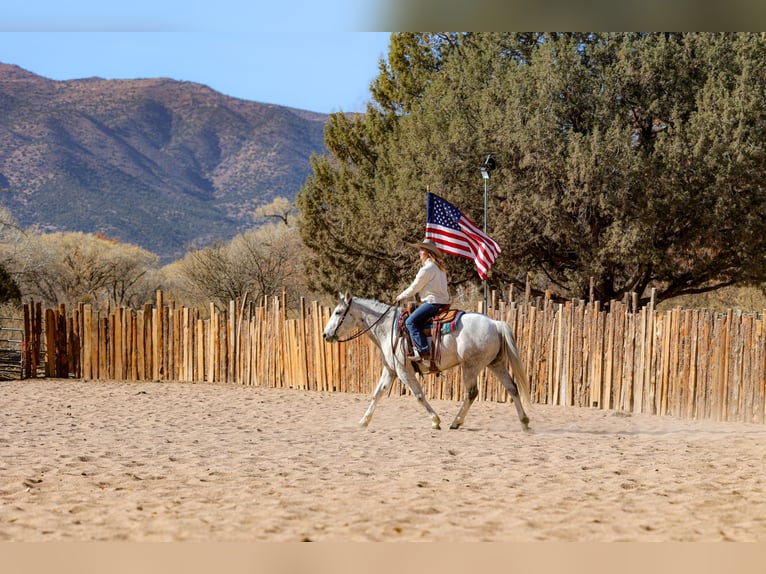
column 158, row 163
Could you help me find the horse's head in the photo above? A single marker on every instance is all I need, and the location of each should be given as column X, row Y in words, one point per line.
column 339, row 321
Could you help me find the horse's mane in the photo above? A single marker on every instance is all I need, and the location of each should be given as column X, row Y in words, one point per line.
column 378, row 306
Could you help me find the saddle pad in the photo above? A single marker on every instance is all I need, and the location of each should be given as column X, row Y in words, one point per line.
column 449, row 320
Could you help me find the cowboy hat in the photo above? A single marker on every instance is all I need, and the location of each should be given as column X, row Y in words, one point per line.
column 429, row 246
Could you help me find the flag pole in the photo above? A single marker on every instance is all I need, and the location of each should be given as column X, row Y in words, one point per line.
column 486, row 216
column 486, row 167
column 428, row 190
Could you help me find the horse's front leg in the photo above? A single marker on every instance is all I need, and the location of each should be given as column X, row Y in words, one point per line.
column 409, row 378
column 471, row 395
column 386, row 377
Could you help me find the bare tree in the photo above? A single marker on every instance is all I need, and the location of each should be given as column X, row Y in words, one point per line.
column 262, row 262
column 76, row 268
column 281, row 209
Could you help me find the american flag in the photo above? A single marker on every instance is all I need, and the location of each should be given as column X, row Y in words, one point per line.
column 454, row 233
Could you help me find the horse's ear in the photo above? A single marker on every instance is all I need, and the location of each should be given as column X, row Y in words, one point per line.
column 347, row 297
column 341, row 295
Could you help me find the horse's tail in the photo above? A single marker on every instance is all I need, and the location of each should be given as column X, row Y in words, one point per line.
column 511, row 352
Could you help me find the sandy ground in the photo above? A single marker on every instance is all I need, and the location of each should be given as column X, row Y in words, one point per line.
column 116, row 461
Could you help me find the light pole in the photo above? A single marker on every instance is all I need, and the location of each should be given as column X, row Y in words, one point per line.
column 486, row 167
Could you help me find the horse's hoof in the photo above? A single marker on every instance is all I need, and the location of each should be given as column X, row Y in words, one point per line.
column 525, row 426
column 436, row 426
column 363, row 423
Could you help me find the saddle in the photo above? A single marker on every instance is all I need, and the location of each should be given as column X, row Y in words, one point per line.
column 445, row 321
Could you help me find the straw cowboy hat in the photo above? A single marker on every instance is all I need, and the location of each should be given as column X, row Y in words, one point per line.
column 429, row 246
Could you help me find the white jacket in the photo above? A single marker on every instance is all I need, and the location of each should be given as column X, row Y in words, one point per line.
column 430, row 283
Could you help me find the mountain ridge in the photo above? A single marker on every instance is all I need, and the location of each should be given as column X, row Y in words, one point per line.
column 160, row 163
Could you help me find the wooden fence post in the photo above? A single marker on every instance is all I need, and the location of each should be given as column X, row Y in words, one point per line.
column 51, row 325
column 26, row 349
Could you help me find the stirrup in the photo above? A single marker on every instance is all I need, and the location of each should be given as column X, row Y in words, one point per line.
column 417, row 357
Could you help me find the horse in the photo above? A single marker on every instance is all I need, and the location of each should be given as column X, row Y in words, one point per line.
column 476, row 343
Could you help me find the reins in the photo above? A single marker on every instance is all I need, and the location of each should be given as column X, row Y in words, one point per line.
column 359, row 333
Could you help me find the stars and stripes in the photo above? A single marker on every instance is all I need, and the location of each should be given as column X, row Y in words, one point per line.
column 454, row 233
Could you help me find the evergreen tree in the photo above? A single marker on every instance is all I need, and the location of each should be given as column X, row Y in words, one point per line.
column 9, row 290
column 356, row 216
column 632, row 160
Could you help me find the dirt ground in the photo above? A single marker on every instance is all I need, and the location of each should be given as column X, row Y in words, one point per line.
column 135, row 462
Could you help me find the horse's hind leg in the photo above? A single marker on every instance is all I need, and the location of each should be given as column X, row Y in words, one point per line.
column 504, row 377
column 471, row 392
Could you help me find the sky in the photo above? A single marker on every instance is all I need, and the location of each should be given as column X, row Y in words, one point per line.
column 316, row 55
column 305, row 54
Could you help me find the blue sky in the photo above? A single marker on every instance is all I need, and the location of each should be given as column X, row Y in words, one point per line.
column 318, row 55
column 299, row 53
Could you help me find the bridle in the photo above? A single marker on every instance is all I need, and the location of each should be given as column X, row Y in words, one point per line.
column 362, row 332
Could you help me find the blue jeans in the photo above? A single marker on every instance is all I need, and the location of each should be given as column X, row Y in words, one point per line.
column 417, row 320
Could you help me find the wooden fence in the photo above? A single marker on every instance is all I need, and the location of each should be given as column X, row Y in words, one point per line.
column 695, row 364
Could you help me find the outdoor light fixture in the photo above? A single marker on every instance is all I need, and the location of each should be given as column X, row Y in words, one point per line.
column 488, row 165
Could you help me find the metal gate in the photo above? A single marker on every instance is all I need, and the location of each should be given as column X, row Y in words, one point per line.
column 11, row 345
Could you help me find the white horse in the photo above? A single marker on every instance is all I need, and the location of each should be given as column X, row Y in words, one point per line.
column 478, row 342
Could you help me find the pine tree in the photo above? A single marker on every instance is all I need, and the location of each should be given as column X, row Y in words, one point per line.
column 629, row 160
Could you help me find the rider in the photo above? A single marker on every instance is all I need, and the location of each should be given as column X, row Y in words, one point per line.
column 430, row 284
